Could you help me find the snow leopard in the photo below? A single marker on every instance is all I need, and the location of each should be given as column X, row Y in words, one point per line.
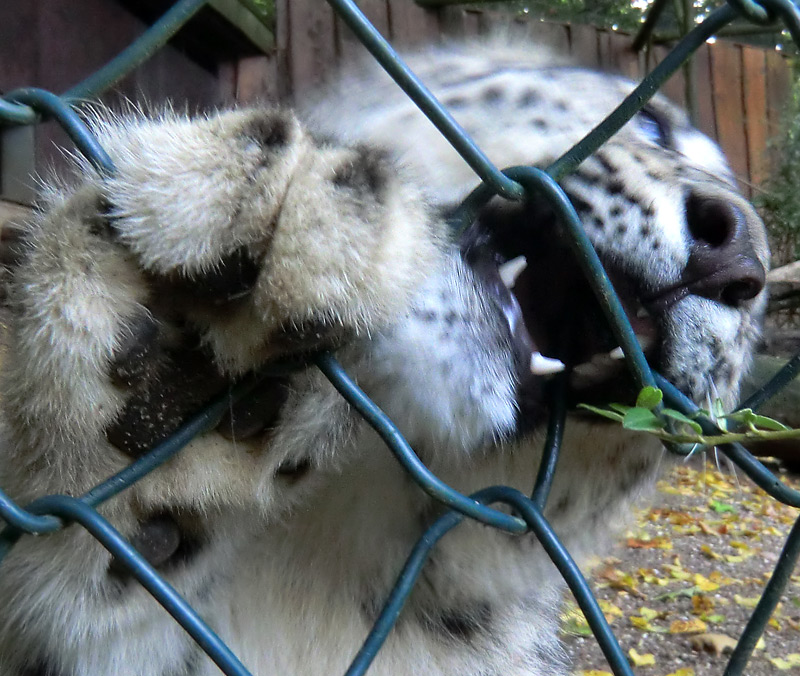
column 225, row 242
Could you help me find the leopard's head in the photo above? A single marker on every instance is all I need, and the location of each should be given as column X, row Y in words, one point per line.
column 686, row 253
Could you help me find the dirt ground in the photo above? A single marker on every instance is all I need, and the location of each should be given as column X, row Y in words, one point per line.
column 681, row 585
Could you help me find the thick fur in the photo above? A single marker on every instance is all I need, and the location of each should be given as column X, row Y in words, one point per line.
column 228, row 240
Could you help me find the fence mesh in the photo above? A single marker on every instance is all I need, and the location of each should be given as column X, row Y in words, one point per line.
column 54, row 512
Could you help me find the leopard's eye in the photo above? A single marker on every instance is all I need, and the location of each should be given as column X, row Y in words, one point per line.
column 654, row 127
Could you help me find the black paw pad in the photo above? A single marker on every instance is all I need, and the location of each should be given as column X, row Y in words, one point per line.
column 257, row 412
column 232, row 278
column 184, row 382
column 157, row 540
column 309, row 335
column 163, row 541
column 137, row 351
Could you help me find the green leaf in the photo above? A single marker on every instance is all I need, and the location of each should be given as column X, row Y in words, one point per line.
column 721, row 507
column 681, row 418
column 649, row 398
column 620, row 408
column 748, row 417
column 611, row 415
column 642, row 420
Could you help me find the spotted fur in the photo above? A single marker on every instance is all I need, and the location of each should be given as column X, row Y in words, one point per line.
column 225, row 241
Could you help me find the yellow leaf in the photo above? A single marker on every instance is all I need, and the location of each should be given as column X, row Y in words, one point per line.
column 709, row 553
column 784, row 664
column 686, row 671
column 746, row 602
column 687, row 626
column 730, row 558
column 593, row 672
column 704, row 584
column 638, row 660
column 774, row 623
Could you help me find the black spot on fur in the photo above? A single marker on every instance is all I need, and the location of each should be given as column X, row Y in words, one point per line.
column 455, row 102
column 492, row 96
column 597, row 222
column 644, row 230
column 605, row 163
column 41, row 668
column 365, row 174
column 293, row 471
column 268, row 129
column 620, row 229
column 615, row 187
column 616, row 211
column 539, row 123
column 656, row 244
column 580, row 204
column 464, row 624
column 136, row 354
column 530, row 97
column 257, row 412
column 561, row 106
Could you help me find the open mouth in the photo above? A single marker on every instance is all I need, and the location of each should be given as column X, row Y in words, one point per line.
column 555, row 322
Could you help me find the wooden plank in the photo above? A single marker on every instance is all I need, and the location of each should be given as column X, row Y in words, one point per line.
column 726, row 75
column 778, row 93
column 675, row 87
column 754, row 83
column 620, row 57
column 265, row 78
column 411, row 24
column 583, row 45
column 11, row 213
column 706, row 120
column 452, row 22
column 552, row 35
column 311, row 43
column 350, row 48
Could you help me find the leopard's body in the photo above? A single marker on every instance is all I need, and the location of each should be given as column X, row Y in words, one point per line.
column 223, row 242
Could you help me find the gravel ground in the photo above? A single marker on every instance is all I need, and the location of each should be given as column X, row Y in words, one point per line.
column 680, row 587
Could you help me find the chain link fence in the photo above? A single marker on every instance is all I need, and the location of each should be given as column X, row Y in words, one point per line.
column 53, row 512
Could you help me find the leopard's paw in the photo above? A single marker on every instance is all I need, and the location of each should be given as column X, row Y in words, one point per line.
column 275, row 241
column 218, row 244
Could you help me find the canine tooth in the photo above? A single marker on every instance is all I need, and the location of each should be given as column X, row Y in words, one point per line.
column 617, row 353
column 510, row 270
column 641, row 313
column 545, row 366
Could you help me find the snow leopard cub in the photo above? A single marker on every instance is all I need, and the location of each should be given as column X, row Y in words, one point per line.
column 225, row 241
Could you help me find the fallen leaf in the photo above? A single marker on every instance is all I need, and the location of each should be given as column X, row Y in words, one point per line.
column 637, row 660
column 784, row 664
column 687, row 626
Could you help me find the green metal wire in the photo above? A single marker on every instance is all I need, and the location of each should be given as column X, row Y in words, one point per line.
column 51, row 513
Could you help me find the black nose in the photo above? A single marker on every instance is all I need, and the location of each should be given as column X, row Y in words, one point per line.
column 722, row 265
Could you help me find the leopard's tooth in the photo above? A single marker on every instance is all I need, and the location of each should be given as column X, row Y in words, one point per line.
column 616, row 354
column 641, row 313
column 545, row 366
column 510, row 270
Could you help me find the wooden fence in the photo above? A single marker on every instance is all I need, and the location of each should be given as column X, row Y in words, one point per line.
column 741, row 90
